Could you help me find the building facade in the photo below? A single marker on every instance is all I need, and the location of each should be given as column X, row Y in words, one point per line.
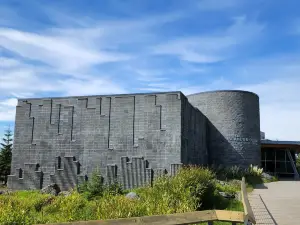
column 131, row 138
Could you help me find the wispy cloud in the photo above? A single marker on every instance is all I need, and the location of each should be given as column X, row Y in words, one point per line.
column 8, row 109
column 54, row 51
column 120, row 48
column 214, row 47
column 279, row 107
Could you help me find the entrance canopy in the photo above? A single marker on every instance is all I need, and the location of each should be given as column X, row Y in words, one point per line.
column 294, row 145
column 279, row 157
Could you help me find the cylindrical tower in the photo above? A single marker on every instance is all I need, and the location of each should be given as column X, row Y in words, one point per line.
column 233, row 131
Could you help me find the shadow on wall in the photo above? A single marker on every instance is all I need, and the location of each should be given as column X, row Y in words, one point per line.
column 220, row 150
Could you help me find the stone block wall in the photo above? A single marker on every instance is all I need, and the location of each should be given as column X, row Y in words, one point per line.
column 131, row 138
column 28, row 178
column 233, row 130
column 194, row 149
column 99, row 131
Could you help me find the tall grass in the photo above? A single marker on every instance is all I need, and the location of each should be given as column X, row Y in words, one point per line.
column 193, row 188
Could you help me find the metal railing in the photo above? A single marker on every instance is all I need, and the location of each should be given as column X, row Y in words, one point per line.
column 202, row 217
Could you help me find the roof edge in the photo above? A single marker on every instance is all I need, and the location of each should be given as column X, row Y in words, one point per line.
column 105, row 95
column 216, row 91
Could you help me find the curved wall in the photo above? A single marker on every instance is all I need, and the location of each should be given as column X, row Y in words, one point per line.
column 233, row 126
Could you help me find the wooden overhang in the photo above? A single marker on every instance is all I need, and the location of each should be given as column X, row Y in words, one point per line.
column 293, row 145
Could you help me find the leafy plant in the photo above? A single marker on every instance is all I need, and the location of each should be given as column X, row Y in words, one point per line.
column 6, row 155
column 95, row 187
column 228, row 188
column 191, row 189
column 255, row 171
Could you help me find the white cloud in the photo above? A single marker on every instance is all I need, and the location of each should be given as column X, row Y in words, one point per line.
column 18, row 78
column 8, row 62
column 54, row 51
column 25, row 80
column 278, row 88
column 279, row 108
column 47, row 60
column 9, row 102
column 8, row 109
column 70, row 58
column 213, row 47
column 275, row 79
column 77, row 87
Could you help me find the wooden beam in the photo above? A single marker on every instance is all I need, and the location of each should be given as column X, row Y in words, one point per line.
column 172, row 219
column 230, row 216
column 281, row 146
column 247, row 208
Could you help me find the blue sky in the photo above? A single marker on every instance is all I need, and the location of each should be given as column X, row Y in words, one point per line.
column 59, row 48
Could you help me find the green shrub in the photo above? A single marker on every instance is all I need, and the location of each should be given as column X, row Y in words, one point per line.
column 192, row 188
column 228, row 188
column 229, row 173
column 254, row 180
column 255, row 171
column 167, row 195
column 95, row 187
column 201, row 183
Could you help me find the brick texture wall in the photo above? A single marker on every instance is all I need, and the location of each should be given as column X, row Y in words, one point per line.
column 233, row 126
column 129, row 138
column 194, row 144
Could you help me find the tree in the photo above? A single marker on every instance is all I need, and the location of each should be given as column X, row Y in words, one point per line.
column 298, row 162
column 6, row 155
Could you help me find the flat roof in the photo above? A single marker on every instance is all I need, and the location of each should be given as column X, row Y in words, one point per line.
column 217, row 91
column 280, row 144
column 104, row 95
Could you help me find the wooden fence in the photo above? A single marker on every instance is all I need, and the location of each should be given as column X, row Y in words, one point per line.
column 198, row 217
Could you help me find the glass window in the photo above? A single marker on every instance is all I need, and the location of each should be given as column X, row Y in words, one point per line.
column 280, row 155
column 280, row 167
column 270, row 154
column 289, row 167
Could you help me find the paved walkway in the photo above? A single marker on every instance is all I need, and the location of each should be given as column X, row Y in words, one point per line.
column 276, row 203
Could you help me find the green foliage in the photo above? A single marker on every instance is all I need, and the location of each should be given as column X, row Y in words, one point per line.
column 272, row 179
column 5, row 155
column 298, row 162
column 95, row 187
column 236, row 172
column 201, row 183
column 254, row 180
column 191, row 189
column 231, row 188
column 229, row 173
column 255, row 171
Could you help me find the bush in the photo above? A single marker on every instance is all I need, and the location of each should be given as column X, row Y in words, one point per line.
column 166, row 196
column 191, row 189
column 255, row 171
column 229, row 173
column 200, row 182
column 230, row 188
column 95, row 187
column 236, row 172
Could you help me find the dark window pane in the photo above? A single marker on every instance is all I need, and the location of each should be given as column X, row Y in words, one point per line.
column 270, row 154
column 280, row 155
column 270, row 167
column 289, row 167
column 280, row 167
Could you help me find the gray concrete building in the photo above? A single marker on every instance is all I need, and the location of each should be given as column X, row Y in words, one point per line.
column 131, row 138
